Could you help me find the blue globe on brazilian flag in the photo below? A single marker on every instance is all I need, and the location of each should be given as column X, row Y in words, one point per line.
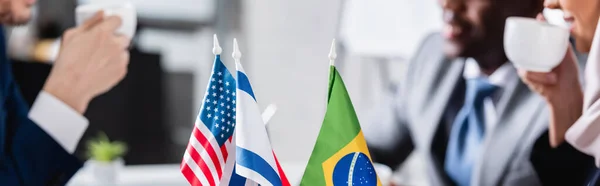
column 340, row 156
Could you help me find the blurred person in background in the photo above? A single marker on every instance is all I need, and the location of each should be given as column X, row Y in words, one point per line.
column 36, row 144
column 463, row 106
column 574, row 113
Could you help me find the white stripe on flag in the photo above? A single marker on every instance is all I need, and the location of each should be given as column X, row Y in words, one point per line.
column 250, row 183
column 252, row 175
column 251, row 131
column 206, row 158
column 211, row 139
column 228, row 170
column 195, row 169
column 204, row 154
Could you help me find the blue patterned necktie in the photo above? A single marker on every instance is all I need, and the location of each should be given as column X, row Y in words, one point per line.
column 467, row 132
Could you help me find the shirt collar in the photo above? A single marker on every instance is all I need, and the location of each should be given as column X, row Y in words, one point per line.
column 499, row 78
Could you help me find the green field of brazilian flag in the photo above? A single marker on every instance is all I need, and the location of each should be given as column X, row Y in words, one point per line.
column 340, row 155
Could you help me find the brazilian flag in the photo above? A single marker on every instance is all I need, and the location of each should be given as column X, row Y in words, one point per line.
column 340, row 156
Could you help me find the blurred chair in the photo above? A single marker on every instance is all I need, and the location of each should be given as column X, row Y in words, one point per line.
column 181, row 31
column 54, row 17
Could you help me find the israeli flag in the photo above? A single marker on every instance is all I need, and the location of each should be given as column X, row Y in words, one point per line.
column 255, row 159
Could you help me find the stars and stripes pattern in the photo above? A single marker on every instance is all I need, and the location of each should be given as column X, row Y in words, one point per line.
column 212, row 157
column 211, row 143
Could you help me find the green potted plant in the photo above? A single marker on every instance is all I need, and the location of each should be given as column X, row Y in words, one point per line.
column 105, row 158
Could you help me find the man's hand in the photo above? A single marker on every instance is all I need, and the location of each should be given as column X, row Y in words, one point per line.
column 92, row 60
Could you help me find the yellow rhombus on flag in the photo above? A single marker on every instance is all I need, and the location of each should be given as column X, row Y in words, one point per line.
column 340, row 156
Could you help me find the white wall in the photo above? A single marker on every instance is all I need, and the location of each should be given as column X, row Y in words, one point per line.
column 388, row 28
column 286, row 46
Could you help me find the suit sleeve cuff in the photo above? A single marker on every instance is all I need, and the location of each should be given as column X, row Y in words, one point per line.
column 60, row 121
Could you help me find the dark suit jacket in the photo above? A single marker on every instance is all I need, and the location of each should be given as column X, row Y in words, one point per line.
column 28, row 155
column 516, row 152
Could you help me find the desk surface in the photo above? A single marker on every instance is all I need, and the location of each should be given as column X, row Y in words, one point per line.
column 167, row 174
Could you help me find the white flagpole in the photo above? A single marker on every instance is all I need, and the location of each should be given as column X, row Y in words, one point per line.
column 237, row 55
column 268, row 113
column 216, row 47
column 332, row 53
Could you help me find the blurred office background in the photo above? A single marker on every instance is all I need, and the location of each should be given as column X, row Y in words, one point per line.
column 284, row 44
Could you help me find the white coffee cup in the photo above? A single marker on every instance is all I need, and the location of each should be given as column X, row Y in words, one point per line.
column 125, row 10
column 534, row 45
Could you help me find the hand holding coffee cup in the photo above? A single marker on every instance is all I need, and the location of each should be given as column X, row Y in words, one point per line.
column 560, row 87
column 543, row 55
column 534, row 45
column 92, row 59
column 124, row 10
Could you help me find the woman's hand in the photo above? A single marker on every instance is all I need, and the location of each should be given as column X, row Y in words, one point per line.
column 563, row 93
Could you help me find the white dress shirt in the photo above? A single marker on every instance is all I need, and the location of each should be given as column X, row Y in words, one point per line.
column 59, row 120
column 383, row 134
column 498, row 78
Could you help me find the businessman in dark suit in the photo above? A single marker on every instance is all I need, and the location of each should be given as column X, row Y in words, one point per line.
column 463, row 106
column 36, row 144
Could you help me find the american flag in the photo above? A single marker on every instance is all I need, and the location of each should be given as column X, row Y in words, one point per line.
column 205, row 158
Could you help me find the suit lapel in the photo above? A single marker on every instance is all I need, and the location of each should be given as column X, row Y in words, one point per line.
column 430, row 102
column 438, row 96
column 516, row 109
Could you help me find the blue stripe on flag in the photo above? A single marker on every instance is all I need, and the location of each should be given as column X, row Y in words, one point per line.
column 244, row 84
column 236, row 179
column 256, row 163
